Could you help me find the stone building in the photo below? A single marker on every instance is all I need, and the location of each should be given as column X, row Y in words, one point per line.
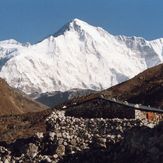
column 110, row 108
column 100, row 108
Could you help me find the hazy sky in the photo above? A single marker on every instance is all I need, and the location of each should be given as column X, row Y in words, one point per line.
column 33, row 20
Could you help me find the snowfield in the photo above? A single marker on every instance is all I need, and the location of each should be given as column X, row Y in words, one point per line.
column 77, row 56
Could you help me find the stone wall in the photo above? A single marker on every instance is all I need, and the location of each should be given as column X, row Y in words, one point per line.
column 68, row 138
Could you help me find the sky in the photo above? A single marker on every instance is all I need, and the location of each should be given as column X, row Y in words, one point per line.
column 33, row 20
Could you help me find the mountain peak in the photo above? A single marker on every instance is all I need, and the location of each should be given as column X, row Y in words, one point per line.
column 78, row 22
column 74, row 25
column 77, row 25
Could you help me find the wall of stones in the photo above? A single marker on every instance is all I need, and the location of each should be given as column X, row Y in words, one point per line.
column 68, row 136
column 73, row 135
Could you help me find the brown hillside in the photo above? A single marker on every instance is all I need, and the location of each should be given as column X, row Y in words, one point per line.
column 145, row 88
column 13, row 102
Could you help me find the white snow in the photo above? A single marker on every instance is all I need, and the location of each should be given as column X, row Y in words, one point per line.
column 77, row 56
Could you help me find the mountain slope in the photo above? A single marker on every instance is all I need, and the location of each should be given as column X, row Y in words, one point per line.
column 13, row 102
column 77, row 56
column 145, row 88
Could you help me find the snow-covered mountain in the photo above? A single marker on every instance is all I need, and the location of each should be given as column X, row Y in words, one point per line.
column 77, row 56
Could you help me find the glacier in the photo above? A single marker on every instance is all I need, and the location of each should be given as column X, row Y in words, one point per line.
column 79, row 56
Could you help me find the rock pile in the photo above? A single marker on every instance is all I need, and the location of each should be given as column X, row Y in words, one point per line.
column 70, row 139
